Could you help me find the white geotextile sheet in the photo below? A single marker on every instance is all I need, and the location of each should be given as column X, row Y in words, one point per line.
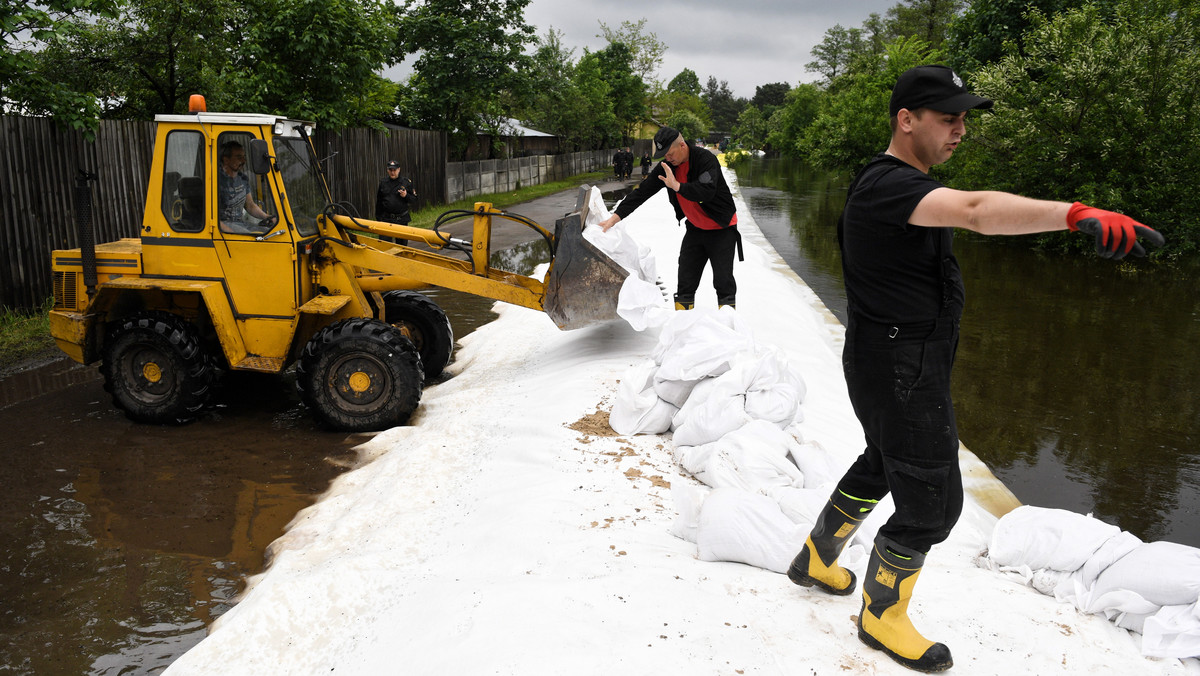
column 1148, row 587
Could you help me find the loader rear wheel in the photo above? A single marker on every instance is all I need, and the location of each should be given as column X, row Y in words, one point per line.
column 360, row 375
column 425, row 324
column 156, row 368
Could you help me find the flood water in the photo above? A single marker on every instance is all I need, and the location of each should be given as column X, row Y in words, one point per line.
column 120, row 542
column 1076, row 379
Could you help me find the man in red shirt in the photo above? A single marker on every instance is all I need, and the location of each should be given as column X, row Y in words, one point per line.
column 699, row 194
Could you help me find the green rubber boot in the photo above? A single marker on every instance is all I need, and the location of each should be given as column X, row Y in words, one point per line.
column 816, row 564
column 883, row 623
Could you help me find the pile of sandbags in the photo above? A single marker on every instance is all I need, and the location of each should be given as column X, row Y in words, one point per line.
column 1148, row 587
column 734, row 407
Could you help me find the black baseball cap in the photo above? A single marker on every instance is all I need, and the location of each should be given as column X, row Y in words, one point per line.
column 935, row 87
column 393, row 164
column 663, row 140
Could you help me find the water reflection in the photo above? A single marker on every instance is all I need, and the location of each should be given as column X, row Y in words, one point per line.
column 1076, row 377
column 123, row 541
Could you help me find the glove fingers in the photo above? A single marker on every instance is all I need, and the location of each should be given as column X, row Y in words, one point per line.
column 1151, row 236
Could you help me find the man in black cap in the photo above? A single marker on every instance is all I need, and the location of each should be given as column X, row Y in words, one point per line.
column 698, row 192
column 904, row 299
column 394, row 199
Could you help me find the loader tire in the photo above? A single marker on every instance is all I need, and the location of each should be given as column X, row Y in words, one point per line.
column 425, row 324
column 156, row 368
column 360, row 375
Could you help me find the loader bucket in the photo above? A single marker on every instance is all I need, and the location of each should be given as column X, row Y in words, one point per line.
column 583, row 282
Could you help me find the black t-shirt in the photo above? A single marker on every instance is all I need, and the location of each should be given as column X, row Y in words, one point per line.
column 896, row 272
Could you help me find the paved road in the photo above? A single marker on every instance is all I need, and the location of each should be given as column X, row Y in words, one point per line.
column 544, row 211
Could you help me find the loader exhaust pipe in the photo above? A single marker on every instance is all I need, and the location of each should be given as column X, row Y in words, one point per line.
column 83, row 224
column 583, row 282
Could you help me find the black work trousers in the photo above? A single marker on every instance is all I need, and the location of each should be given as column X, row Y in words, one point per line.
column 714, row 247
column 898, row 378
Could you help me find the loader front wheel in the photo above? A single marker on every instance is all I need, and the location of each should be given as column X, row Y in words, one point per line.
column 360, row 375
column 425, row 324
column 156, row 368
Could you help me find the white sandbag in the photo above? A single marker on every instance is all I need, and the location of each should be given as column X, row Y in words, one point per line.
column 773, row 390
column 1174, row 631
column 700, row 343
column 711, row 413
column 688, row 498
column 641, row 304
column 816, row 464
column 744, row 527
column 617, row 243
column 1047, row 538
column 637, row 409
column 674, row 391
column 1164, row 573
column 753, row 458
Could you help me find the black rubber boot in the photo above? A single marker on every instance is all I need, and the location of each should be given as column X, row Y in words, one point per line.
column 816, row 564
column 883, row 623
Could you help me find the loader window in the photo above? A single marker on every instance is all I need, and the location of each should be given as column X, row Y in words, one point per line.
column 183, row 181
column 302, row 180
column 245, row 203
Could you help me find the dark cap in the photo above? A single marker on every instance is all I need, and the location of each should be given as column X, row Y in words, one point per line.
column 934, row 87
column 393, row 164
column 663, row 140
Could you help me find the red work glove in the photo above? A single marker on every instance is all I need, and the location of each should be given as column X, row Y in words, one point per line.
column 1116, row 234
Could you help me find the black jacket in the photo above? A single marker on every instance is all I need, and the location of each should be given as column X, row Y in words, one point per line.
column 705, row 186
column 389, row 205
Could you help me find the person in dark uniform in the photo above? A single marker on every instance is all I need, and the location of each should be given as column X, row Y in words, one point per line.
column 646, row 162
column 394, row 199
column 698, row 192
column 905, row 296
column 618, row 163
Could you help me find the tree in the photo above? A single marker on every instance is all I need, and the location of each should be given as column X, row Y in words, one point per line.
column 591, row 122
column 548, row 105
column 836, row 51
column 721, row 103
column 751, row 129
column 800, row 108
column 1095, row 106
column 315, row 59
column 687, row 124
column 469, row 53
column 769, row 97
column 924, row 19
column 27, row 28
column 979, row 35
column 627, row 90
column 853, row 125
column 147, row 59
column 646, row 49
column 687, row 82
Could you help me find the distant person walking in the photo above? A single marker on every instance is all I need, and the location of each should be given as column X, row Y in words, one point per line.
column 646, row 162
column 904, row 299
column 697, row 190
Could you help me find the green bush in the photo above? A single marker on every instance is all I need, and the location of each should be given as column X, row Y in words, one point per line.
column 1102, row 107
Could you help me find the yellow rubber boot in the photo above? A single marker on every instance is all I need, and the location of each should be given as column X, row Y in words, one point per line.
column 883, row 623
column 816, row 564
column 684, row 302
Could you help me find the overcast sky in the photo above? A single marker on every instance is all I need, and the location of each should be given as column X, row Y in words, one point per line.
column 747, row 44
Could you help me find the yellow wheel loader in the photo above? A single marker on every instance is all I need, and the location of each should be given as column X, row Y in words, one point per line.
column 254, row 268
